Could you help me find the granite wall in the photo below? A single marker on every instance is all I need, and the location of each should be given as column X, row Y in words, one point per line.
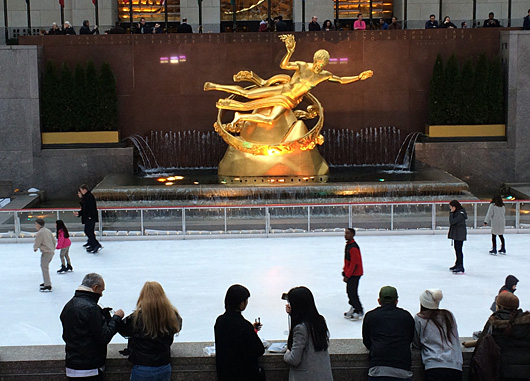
column 485, row 166
column 22, row 161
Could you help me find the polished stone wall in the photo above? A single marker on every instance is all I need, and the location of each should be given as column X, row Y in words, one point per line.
column 22, row 160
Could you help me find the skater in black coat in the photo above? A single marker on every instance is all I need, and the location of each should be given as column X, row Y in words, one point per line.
column 89, row 217
column 458, row 233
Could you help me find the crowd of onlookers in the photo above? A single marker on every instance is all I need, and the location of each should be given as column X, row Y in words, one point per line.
column 278, row 25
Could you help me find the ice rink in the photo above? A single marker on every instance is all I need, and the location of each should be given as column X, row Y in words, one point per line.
column 196, row 274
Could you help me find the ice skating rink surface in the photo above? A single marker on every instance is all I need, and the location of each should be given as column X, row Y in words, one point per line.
column 196, row 274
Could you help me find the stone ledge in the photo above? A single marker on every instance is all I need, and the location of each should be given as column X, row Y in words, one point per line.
column 349, row 361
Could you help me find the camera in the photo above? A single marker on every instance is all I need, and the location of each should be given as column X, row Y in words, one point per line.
column 285, row 296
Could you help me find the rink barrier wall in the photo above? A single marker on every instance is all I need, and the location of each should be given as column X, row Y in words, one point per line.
column 349, row 362
column 192, row 222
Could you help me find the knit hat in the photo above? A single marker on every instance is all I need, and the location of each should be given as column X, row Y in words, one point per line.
column 507, row 301
column 388, row 294
column 235, row 295
column 431, row 299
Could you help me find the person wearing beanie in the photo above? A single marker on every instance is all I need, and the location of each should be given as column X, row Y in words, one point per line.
column 387, row 333
column 510, row 328
column 510, row 285
column 237, row 345
column 45, row 241
column 436, row 336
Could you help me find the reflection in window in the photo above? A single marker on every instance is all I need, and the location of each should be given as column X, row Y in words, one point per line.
column 255, row 10
column 152, row 10
column 349, row 9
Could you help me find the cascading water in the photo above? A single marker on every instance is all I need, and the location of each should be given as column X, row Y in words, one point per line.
column 146, row 153
column 404, row 158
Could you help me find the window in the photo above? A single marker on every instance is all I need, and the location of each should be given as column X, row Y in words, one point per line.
column 256, row 10
column 152, row 10
column 349, row 9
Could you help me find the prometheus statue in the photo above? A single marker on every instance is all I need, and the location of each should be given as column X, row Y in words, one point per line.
column 268, row 139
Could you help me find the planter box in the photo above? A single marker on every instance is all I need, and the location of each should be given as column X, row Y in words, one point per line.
column 460, row 131
column 89, row 137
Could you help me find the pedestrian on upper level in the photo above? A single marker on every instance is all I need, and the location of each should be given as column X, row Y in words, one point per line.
column 281, row 26
column 157, row 29
column 142, row 27
column 117, row 29
column 394, row 25
column 359, row 24
column 327, row 26
column 383, row 24
column 68, row 29
column 447, row 24
column 55, row 30
column 463, row 25
column 184, row 27
column 263, row 26
column 432, row 23
column 85, row 29
column 526, row 21
column 491, row 22
column 314, row 26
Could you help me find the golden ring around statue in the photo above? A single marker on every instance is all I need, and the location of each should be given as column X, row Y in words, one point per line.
column 306, row 142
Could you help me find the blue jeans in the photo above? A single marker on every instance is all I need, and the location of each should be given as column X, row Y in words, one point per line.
column 151, row 373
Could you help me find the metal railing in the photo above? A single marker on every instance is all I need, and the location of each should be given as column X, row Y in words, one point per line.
column 265, row 220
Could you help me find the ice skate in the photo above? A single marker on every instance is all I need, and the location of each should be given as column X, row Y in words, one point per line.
column 494, row 251
column 69, row 267
column 357, row 316
column 349, row 313
column 458, row 270
column 45, row 289
column 62, row 270
column 95, row 249
column 502, row 251
column 452, row 268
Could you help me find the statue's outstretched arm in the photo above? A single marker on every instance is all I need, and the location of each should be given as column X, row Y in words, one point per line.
column 344, row 80
column 290, row 45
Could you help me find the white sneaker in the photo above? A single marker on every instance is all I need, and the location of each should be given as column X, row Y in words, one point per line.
column 357, row 316
column 349, row 314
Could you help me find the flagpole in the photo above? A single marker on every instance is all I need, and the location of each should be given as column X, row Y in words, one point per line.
column 62, row 15
column 28, row 9
column 131, row 16
column 166, row 15
column 6, row 21
column 97, row 12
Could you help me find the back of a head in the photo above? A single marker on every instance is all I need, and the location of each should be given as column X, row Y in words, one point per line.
column 159, row 316
column 511, row 281
column 92, row 279
column 235, row 295
column 430, row 299
column 388, row 295
column 40, row 222
column 85, row 22
column 456, row 204
column 184, row 20
column 507, row 301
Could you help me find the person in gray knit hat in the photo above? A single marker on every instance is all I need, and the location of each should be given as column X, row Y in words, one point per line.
column 436, row 335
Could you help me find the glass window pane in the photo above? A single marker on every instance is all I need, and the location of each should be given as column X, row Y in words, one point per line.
column 286, row 219
column 152, row 10
column 205, row 221
column 374, row 217
column 412, row 216
column 163, row 221
column 246, row 220
column 256, row 10
column 329, row 218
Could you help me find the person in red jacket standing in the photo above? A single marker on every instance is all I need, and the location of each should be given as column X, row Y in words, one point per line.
column 352, row 272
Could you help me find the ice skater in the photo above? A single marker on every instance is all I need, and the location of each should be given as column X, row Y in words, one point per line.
column 63, row 244
column 351, row 275
column 46, row 243
column 496, row 218
column 89, row 217
column 510, row 285
column 458, row 233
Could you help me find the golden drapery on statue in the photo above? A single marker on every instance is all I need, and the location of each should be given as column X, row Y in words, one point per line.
column 268, row 139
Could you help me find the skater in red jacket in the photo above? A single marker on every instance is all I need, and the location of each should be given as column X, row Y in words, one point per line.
column 352, row 272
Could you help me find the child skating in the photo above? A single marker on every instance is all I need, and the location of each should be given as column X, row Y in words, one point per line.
column 63, row 243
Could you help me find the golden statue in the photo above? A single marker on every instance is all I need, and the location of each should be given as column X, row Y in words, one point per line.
column 270, row 141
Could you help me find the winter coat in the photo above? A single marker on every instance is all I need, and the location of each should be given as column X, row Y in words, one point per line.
column 513, row 340
column 457, row 225
column 87, row 329
column 61, row 241
column 353, row 263
column 307, row 364
column 388, row 332
column 496, row 219
column 237, row 348
column 508, row 287
column 147, row 351
column 89, row 210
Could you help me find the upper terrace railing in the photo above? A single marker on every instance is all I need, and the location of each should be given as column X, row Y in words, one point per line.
column 266, row 220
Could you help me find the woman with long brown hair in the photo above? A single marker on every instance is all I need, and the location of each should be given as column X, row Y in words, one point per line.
column 150, row 330
column 436, row 335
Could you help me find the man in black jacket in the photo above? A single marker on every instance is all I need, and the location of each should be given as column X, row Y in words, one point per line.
column 388, row 332
column 184, row 27
column 89, row 217
column 87, row 329
column 237, row 345
column 85, row 29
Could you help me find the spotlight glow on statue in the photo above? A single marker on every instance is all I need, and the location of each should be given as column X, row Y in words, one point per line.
column 267, row 137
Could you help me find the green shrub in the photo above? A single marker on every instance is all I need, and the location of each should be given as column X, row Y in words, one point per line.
column 437, row 92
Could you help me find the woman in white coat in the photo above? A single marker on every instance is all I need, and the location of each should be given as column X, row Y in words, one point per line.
column 308, row 342
column 496, row 219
